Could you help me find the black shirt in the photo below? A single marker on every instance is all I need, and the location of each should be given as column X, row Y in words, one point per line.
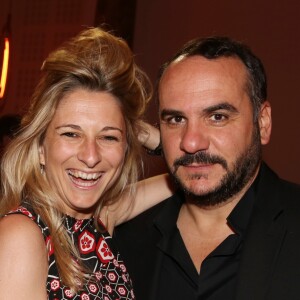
column 179, row 278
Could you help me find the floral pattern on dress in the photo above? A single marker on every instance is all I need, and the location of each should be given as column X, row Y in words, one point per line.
column 111, row 280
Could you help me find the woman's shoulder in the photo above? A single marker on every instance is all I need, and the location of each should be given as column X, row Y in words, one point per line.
column 18, row 226
column 27, row 210
column 24, row 209
column 21, row 225
column 23, row 255
column 21, row 239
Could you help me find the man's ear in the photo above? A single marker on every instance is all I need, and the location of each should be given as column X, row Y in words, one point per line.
column 265, row 123
column 42, row 155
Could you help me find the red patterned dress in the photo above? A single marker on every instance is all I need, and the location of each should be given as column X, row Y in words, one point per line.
column 111, row 280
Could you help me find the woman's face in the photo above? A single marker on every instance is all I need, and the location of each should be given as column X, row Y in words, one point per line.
column 84, row 149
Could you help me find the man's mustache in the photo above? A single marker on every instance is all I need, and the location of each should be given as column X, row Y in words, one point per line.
column 199, row 157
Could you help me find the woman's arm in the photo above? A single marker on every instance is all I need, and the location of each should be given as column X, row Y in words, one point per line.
column 148, row 193
column 23, row 259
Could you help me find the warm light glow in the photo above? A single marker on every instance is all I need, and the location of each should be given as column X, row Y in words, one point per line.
column 4, row 67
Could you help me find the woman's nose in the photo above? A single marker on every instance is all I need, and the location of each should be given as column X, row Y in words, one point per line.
column 90, row 153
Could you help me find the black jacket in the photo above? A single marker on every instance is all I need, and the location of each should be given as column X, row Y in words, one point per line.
column 270, row 263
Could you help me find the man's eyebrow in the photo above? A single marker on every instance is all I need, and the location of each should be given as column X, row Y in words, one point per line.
column 221, row 106
column 170, row 112
column 210, row 109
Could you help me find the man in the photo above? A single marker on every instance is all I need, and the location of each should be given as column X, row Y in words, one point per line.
column 232, row 231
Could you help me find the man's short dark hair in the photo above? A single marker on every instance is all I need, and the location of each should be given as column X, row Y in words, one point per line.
column 216, row 47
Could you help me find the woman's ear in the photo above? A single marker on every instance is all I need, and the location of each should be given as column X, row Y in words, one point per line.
column 265, row 123
column 42, row 155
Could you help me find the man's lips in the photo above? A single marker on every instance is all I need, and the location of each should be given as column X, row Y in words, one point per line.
column 197, row 165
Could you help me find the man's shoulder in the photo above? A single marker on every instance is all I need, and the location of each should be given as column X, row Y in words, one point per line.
column 291, row 187
column 290, row 197
column 270, row 181
column 288, row 191
column 277, row 196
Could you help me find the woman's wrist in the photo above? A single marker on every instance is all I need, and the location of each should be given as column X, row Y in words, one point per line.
column 149, row 137
column 157, row 151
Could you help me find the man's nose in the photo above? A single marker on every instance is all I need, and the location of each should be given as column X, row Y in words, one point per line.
column 194, row 138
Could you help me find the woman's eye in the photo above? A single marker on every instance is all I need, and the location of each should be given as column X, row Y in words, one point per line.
column 110, row 138
column 70, row 134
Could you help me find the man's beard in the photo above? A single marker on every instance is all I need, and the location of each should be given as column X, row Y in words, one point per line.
column 232, row 182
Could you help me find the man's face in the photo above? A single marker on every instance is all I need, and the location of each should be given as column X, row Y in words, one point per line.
column 211, row 144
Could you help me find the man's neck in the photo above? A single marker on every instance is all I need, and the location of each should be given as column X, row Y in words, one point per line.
column 203, row 228
column 202, row 216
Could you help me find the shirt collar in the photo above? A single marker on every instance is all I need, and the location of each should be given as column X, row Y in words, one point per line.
column 239, row 217
column 166, row 220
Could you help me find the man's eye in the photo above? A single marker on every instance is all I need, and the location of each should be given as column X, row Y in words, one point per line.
column 218, row 117
column 175, row 120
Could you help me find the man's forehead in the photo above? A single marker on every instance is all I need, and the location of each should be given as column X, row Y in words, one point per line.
column 198, row 69
column 195, row 81
column 200, row 63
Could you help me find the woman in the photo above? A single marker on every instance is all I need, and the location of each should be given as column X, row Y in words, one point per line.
column 74, row 162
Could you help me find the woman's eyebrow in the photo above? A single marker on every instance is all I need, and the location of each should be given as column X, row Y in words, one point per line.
column 107, row 128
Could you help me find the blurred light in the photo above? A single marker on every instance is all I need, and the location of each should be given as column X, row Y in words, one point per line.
column 4, row 67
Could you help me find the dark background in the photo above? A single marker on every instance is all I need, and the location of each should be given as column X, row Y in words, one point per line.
column 155, row 29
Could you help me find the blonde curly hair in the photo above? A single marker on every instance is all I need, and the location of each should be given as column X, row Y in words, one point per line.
column 97, row 61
